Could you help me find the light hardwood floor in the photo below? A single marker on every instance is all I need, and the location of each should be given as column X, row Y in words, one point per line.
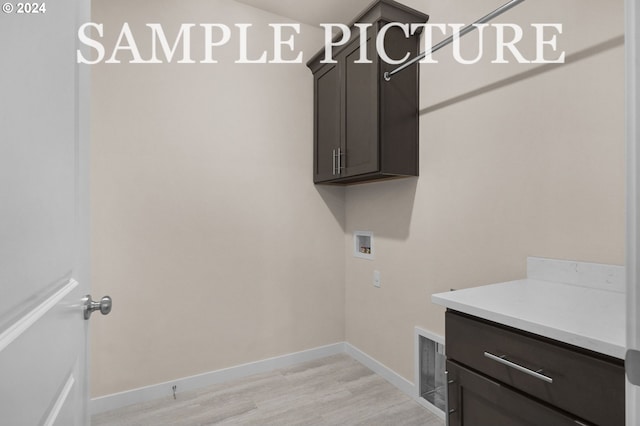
column 332, row 391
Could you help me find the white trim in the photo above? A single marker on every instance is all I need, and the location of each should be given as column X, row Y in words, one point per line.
column 435, row 410
column 64, row 394
column 632, row 109
column 419, row 331
column 160, row 390
column 23, row 324
column 416, row 372
column 404, row 385
column 382, row 370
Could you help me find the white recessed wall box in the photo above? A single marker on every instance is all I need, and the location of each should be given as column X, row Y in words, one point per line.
column 363, row 244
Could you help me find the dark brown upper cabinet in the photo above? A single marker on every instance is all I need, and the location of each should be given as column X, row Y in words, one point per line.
column 366, row 128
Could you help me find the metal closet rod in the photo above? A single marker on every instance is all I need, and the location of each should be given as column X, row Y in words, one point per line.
column 466, row 30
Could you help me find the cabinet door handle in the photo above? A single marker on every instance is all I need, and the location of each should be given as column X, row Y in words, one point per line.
column 340, row 154
column 447, row 407
column 446, row 390
column 504, row 361
column 333, row 158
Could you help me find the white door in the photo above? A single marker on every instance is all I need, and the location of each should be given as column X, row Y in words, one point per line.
column 632, row 53
column 43, row 215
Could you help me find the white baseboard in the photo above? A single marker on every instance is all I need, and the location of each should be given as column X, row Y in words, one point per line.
column 392, row 377
column 382, row 370
column 161, row 390
column 429, row 406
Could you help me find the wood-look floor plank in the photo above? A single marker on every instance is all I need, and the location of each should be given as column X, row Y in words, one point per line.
column 332, row 391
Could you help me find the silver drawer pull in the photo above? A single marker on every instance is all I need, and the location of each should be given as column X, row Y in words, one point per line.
column 503, row 360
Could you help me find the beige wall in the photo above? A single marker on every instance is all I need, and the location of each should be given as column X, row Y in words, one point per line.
column 534, row 168
column 207, row 229
column 218, row 250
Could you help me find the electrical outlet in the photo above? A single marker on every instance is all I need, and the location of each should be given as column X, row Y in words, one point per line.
column 376, row 279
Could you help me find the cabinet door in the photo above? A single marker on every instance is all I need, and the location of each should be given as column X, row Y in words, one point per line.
column 399, row 105
column 475, row 400
column 327, row 123
column 360, row 138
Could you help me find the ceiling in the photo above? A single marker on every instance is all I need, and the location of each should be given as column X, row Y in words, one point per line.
column 313, row 12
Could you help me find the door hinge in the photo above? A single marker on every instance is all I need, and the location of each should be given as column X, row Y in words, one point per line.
column 632, row 366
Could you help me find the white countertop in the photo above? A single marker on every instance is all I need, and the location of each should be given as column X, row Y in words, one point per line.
column 586, row 317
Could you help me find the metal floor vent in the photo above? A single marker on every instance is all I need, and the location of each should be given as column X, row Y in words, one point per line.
column 431, row 377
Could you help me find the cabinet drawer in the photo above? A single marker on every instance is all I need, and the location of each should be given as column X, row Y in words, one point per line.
column 588, row 386
column 475, row 400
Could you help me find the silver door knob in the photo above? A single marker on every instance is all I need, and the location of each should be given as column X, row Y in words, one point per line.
column 104, row 306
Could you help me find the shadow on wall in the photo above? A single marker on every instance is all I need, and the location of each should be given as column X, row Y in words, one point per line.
column 333, row 197
column 570, row 59
column 385, row 207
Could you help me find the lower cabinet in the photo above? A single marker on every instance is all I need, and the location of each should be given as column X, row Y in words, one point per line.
column 476, row 400
column 500, row 376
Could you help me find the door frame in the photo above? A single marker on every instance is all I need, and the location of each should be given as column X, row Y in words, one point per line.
column 632, row 107
column 83, row 126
